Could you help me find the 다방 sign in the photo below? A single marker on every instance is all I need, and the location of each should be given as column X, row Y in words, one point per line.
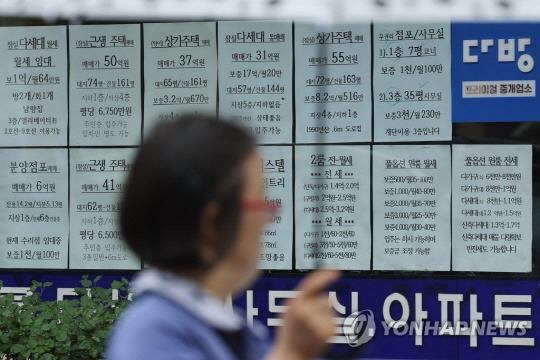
column 494, row 74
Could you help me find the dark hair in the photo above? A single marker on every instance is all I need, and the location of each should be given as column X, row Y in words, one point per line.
column 179, row 169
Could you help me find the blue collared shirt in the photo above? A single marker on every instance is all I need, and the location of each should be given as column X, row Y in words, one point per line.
column 172, row 318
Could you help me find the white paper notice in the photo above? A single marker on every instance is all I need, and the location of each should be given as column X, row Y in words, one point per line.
column 411, row 207
column 277, row 240
column 333, row 83
column 34, row 225
column 255, row 77
column 180, row 71
column 33, row 92
column 98, row 179
column 412, row 82
column 105, row 85
column 332, row 201
column 492, row 208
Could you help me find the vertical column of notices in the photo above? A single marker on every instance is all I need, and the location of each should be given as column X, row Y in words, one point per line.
column 97, row 182
column 333, row 83
column 105, row 85
column 332, row 201
column 277, row 240
column 180, row 71
column 34, row 224
column 33, row 94
column 492, row 208
column 411, row 207
column 412, row 82
column 255, row 77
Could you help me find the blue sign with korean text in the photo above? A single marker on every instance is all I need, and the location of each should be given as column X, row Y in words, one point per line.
column 494, row 72
column 418, row 318
column 387, row 317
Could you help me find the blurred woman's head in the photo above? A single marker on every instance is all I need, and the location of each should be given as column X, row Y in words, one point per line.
column 184, row 207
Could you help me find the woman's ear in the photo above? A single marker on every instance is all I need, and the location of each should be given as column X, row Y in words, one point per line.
column 208, row 241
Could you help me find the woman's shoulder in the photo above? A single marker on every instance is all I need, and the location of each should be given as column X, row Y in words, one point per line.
column 155, row 327
column 153, row 324
column 151, row 309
